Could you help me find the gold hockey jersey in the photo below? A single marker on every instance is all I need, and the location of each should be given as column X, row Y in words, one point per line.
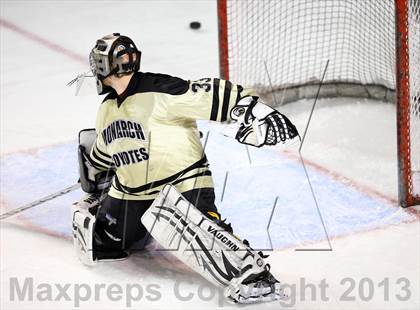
column 149, row 133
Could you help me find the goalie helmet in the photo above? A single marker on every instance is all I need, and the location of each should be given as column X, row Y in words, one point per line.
column 106, row 59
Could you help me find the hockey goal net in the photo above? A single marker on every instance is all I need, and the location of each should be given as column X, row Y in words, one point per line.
column 373, row 48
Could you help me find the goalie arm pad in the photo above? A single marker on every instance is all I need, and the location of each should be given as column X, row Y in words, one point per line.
column 94, row 177
column 260, row 124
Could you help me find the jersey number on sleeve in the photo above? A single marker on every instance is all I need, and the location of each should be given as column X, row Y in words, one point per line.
column 201, row 84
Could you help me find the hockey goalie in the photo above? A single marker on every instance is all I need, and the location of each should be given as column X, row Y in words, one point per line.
column 145, row 172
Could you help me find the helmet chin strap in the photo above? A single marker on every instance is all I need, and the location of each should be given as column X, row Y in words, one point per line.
column 119, row 82
column 101, row 88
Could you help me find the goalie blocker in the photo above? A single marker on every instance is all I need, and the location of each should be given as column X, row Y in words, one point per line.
column 210, row 250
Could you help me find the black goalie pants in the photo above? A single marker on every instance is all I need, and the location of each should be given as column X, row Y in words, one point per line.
column 118, row 222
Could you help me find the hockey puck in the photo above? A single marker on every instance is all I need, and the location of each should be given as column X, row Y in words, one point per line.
column 195, row 25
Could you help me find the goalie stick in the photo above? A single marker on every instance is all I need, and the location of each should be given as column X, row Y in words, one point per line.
column 40, row 201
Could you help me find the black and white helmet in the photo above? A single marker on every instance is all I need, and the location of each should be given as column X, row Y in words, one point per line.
column 106, row 59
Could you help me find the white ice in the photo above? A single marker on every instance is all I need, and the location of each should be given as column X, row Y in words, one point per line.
column 350, row 152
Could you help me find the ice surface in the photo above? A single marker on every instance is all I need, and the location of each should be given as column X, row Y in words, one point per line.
column 350, row 153
column 248, row 198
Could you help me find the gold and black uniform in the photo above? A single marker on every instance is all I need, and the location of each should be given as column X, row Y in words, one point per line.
column 149, row 136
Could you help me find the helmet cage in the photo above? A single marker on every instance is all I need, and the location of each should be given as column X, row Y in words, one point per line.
column 106, row 58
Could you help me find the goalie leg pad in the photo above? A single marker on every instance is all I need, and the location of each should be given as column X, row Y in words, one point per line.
column 91, row 241
column 193, row 238
column 83, row 227
column 205, row 246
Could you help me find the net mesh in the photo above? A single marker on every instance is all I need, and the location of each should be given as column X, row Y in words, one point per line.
column 280, row 46
column 294, row 39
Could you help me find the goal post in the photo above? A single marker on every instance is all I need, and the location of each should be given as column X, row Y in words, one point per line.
column 281, row 47
column 223, row 39
column 408, row 100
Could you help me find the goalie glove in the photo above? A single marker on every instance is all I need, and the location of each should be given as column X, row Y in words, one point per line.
column 260, row 124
